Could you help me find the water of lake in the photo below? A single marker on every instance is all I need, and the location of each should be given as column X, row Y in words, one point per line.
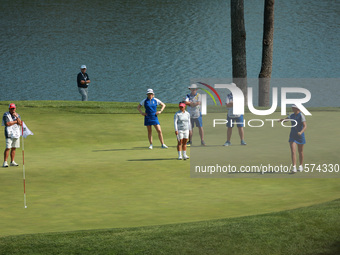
column 132, row 45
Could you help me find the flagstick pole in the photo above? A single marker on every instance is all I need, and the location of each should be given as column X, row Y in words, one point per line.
column 23, row 165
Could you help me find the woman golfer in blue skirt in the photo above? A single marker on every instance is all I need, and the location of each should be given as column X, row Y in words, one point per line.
column 297, row 136
column 151, row 116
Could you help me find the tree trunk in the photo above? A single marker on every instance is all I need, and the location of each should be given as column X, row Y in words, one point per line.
column 267, row 53
column 238, row 45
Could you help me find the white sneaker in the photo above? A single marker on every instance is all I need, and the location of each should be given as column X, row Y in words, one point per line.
column 294, row 169
column 13, row 164
column 300, row 168
column 5, row 164
column 227, row 143
column 179, row 157
column 185, row 157
column 150, row 147
column 164, row 146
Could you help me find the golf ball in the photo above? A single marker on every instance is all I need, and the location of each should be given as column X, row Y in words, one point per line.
column 25, row 206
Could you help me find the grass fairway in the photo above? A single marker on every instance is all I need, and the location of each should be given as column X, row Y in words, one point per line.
column 88, row 167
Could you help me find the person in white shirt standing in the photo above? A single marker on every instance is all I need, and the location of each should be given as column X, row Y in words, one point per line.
column 12, row 122
column 182, row 126
column 193, row 101
column 233, row 119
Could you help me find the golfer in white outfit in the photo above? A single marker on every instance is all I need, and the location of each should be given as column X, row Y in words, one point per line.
column 182, row 126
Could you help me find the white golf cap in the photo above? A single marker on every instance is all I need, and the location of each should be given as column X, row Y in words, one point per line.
column 294, row 106
column 83, row 67
column 149, row 91
column 193, row 86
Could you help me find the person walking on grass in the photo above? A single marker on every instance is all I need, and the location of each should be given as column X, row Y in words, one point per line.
column 151, row 116
column 182, row 126
column 297, row 136
column 83, row 81
column 233, row 119
column 12, row 122
column 194, row 100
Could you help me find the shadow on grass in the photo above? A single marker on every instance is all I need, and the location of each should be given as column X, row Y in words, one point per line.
column 159, row 147
column 333, row 249
column 131, row 149
column 152, row 159
column 215, row 145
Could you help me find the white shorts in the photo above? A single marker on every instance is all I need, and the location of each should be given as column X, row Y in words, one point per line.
column 183, row 134
column 12, row 143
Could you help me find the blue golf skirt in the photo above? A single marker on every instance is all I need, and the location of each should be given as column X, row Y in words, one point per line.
column 150, row 120
column 298, row 139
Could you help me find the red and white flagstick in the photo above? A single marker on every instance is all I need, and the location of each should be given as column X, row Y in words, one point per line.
column 23, row 165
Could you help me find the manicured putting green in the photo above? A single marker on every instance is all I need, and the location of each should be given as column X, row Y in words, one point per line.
column 88, row 167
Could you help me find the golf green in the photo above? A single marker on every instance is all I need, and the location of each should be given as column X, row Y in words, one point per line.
column 89, row 167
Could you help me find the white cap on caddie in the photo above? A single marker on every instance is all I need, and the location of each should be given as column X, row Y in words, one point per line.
column 149, row 91
column 83, row 67
column 193, row 86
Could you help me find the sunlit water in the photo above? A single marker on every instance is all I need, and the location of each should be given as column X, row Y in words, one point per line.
column 131, row 45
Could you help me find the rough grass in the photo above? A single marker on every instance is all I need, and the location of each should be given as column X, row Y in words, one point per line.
column 308, row 230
